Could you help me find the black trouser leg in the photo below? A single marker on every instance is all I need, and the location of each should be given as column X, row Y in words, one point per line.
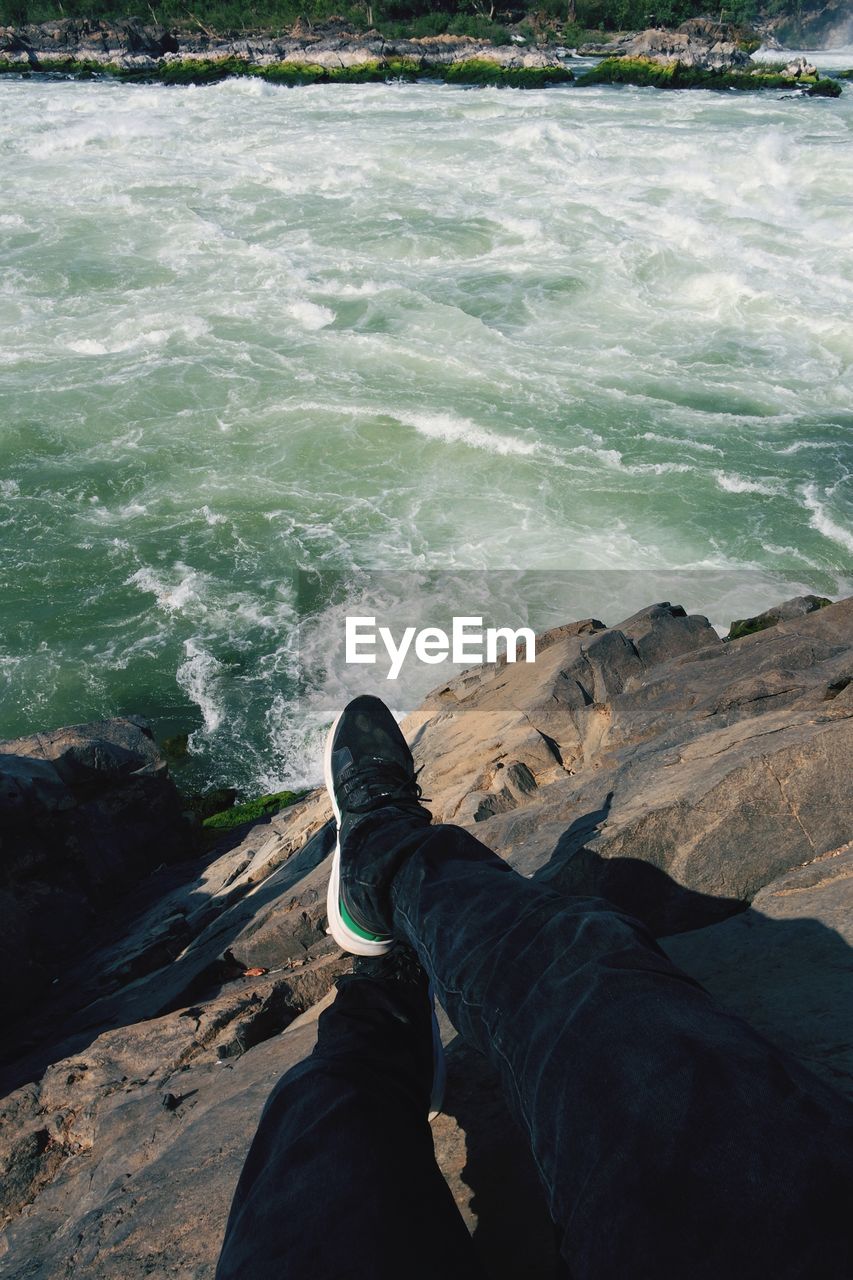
column 341, row 1181
column 674, row 1142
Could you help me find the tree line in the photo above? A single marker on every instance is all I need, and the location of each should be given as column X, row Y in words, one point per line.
column 570, row 20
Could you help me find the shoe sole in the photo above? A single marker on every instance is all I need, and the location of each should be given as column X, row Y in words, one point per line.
column 340, row 931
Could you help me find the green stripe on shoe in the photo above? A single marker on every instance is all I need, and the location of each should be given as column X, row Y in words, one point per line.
column 357, row 929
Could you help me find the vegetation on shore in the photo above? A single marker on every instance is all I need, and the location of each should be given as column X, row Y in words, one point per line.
column 645, row 72
column 472, row 71
column 252, row 811
column 642, row 72
column 568, row 21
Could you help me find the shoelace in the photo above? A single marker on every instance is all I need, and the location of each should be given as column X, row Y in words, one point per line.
column 373, row 783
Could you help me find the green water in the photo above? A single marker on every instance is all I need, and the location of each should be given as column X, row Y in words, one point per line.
column 248, row 330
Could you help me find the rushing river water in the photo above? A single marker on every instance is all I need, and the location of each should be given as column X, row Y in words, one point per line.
column 248, row 329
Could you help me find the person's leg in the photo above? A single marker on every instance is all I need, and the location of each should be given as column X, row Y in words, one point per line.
column 672, row 1139
column 341, row 1180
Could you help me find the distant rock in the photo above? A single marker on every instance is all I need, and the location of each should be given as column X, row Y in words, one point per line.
column 700, row 54
column 700, row 44
column 799, row 67
column 702, row 785
column 79, row 36
column 132, row 47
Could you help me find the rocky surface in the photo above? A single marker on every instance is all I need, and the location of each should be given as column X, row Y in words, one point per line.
column 133, row 47
column 702, row 784
column 697, row 43
column 699, row 54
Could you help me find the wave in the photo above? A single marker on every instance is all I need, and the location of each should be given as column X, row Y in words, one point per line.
column 733, row 483
column 172, row 599
column 452, row 430
column 197, row 676
column 822, row 521
column 681, row 442
column 614, row 459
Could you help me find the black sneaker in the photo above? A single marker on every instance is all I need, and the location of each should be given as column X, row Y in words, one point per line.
column 368, row 768
column 401, row 966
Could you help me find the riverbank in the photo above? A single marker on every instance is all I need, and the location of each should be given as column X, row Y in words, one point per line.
column 698, row 55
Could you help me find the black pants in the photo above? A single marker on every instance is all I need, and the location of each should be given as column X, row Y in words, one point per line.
column 673, row 1141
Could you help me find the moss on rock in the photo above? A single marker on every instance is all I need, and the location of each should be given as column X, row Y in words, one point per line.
column 825, row 87
column 645, row 72
column 471, row 71
column 481, row 71
column 200, row 70
column 251, row 811
column 799, row 607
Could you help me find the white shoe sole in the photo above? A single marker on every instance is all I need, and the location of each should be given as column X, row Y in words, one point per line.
column 340, row 931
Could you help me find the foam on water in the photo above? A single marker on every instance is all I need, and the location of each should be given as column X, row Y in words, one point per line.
column 248, row 330
column 737, row 484
column 822, row 521
column 445, row 427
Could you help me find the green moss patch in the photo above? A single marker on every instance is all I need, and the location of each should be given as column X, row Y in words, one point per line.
column 479, row 71
column 746, row 627
column 643, row 72
column 473, row 71
column 771, row 618
column 251, row 811
column 825, row 87
column 374, row 72
column 199, row 70
column 74, row 68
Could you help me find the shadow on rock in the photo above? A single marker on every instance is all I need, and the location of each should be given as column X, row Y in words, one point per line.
column 185, row 960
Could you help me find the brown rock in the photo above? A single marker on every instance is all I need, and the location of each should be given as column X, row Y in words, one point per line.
column 699, row 784
column 690, row 48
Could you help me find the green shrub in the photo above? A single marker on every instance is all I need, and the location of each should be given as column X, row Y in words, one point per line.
column 399, row 18
column 467, row 24
column 428, row 24
column 443, row 22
